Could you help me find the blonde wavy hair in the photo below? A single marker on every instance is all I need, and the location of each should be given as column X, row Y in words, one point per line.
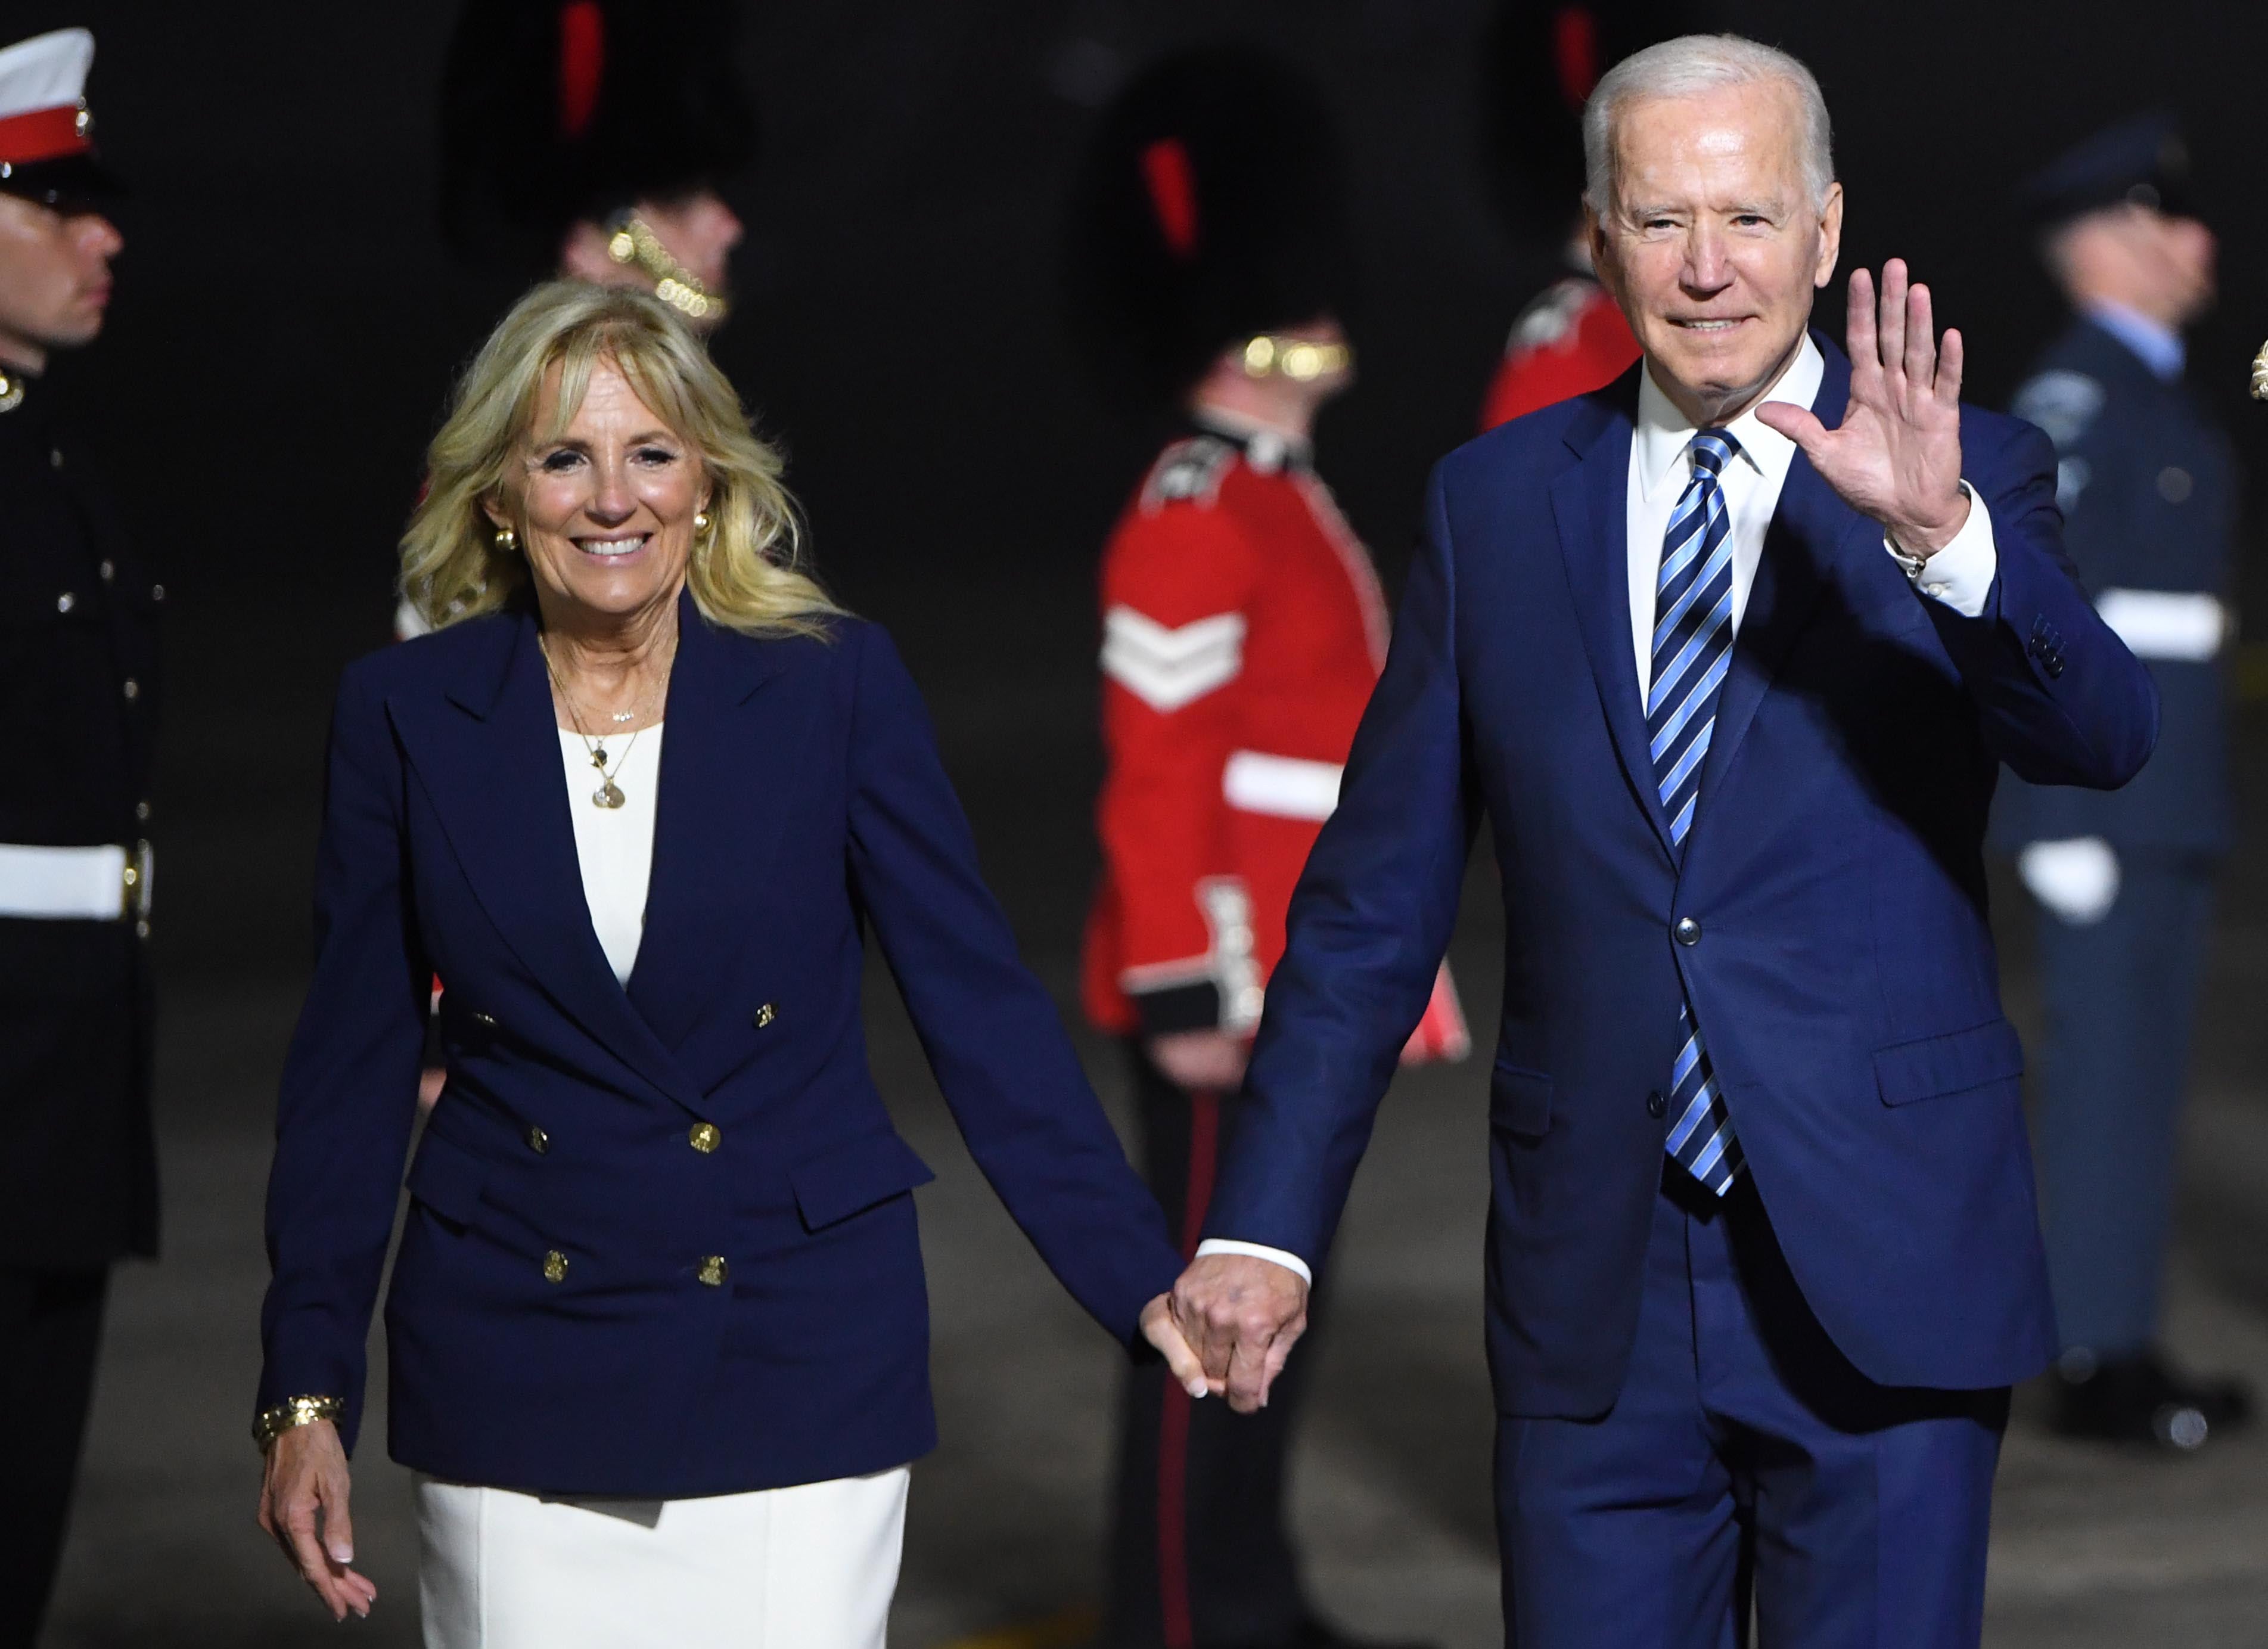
column 747, row 570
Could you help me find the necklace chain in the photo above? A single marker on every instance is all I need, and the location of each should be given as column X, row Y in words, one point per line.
column 609, row 794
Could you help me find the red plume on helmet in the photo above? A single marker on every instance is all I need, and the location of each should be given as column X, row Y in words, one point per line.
column 554, row 111
column 1210, row 205
column 1540, row 60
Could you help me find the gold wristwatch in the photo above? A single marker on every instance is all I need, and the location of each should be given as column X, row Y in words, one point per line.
column 290, row 1414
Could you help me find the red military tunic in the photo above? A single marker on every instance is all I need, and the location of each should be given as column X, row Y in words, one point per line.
column 1569, row 341
column 1243, row 629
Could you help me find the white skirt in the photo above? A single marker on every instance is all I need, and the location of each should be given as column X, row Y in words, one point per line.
column 810, row 1567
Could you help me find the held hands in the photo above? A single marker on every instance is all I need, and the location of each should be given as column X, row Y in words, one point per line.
column 1243, row 1314
column 1897, row 456
column 302, row 1507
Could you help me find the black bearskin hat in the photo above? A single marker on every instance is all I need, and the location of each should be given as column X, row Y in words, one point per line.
column 1539, row 61
column 555, row 111
column 1210, row 206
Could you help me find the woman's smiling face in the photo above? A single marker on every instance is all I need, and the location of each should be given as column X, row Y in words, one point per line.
column 604, row 511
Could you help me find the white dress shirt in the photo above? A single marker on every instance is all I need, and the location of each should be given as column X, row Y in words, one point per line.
column 1661, row 464
column 614, row 846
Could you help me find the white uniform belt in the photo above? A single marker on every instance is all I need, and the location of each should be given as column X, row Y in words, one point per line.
column 1286, row 786
column 2186, row 625
column 92, row 884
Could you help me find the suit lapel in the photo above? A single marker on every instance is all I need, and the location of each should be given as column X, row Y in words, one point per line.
column 728, row 770
column 488, row 758
column 1810, row 528
column 1590, row 506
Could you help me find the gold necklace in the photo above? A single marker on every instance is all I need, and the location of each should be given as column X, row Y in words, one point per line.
column 609, row 794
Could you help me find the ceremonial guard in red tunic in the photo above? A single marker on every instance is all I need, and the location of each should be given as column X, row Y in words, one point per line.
column 1242, row 631
column 1540, row 60
column 78, row 694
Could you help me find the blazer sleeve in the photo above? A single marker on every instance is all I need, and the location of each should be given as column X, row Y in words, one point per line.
column 990, row 1030
column 1368, row 923
column 2060, row 698
column 350, row 1091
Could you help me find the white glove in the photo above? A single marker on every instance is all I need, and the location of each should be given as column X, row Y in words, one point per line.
column 2077, row 879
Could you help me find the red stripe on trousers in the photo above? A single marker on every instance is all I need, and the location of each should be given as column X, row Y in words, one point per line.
column 1173, row 1416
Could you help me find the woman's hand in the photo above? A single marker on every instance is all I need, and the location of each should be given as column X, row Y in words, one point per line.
column 1158, row 1329
column 303, row 1506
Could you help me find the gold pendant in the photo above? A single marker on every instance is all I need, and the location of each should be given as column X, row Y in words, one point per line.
column 607, row 795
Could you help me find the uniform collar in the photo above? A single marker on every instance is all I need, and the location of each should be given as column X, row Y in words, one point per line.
column 1664, row 432
column 2158, row 345
column 1265, row 449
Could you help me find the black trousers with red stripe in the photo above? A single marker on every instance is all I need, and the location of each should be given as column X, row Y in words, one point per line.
column 1200, row 1556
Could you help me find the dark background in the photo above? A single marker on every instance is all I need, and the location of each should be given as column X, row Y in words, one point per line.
column 287, row 321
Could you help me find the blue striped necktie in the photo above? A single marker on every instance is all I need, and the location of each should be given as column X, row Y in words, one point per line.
column 1692, row 648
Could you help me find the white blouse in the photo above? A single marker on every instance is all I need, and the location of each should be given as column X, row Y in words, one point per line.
column 614, row 845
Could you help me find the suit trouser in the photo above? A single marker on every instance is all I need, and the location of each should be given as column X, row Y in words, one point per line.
column 50, row 1330
column 1744, row 1444
column 2122, row 1011
column 1200, row 1554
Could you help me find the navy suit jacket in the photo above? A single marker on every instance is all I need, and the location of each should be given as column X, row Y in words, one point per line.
column 801, row 803
column 1844, row 972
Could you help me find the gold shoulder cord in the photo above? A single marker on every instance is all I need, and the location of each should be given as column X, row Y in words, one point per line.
column 634, row 241
column 2260, row 374
column 290, row 1414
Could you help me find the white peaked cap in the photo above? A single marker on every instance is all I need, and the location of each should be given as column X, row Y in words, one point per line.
column 47, row 71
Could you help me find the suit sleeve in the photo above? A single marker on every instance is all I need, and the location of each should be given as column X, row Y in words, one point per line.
column 1176, row 590
column 2060, row 699
column 349, row 1081
column 991, row 1033
column 1369, row 924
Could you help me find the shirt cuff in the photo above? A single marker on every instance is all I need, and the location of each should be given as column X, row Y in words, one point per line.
column 1961, row 575
column 1255, row 1251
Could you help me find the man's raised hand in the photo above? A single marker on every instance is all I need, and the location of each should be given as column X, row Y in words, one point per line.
column 1897, row 456
column 1241, row 1314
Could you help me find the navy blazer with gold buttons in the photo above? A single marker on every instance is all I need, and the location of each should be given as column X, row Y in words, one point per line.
column 660, row 1239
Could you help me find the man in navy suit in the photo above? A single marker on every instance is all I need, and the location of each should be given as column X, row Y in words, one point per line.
column 1729, row 654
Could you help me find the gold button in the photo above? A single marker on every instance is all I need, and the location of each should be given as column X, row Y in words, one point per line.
column 765, row 1015
column 555, row 1267
column 66, row 601
column 705, row 1137
column 538, row 1141
column 713, row 1270
column 132, row 689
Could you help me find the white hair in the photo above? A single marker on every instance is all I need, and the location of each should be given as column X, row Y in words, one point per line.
column 1686, row 67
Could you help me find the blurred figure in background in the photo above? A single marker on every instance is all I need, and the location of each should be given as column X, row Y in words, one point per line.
column 1243, row 629
column 79, row 1183
column 589, row 139
column 2125, row 879
column 1540, row 59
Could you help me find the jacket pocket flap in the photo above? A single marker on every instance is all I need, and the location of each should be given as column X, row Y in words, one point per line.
column 1520, row 1100
column 1921, row 1069
column 852, row 1177
column 449, row 1179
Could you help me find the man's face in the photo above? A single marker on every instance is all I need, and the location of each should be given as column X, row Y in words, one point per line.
column 2160, row 265
column 1712, row 244
column 55, row 278
column 700, row 232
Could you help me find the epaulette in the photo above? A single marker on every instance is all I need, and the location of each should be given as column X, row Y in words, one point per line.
column 2061, row 402
column 1189, row 471
column 1551, row 318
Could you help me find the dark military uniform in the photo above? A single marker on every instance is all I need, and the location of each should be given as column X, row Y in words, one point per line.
column 2149, row 490
column 78, row 696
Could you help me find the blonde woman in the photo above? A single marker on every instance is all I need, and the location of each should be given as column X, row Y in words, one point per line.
column 658, row 1331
